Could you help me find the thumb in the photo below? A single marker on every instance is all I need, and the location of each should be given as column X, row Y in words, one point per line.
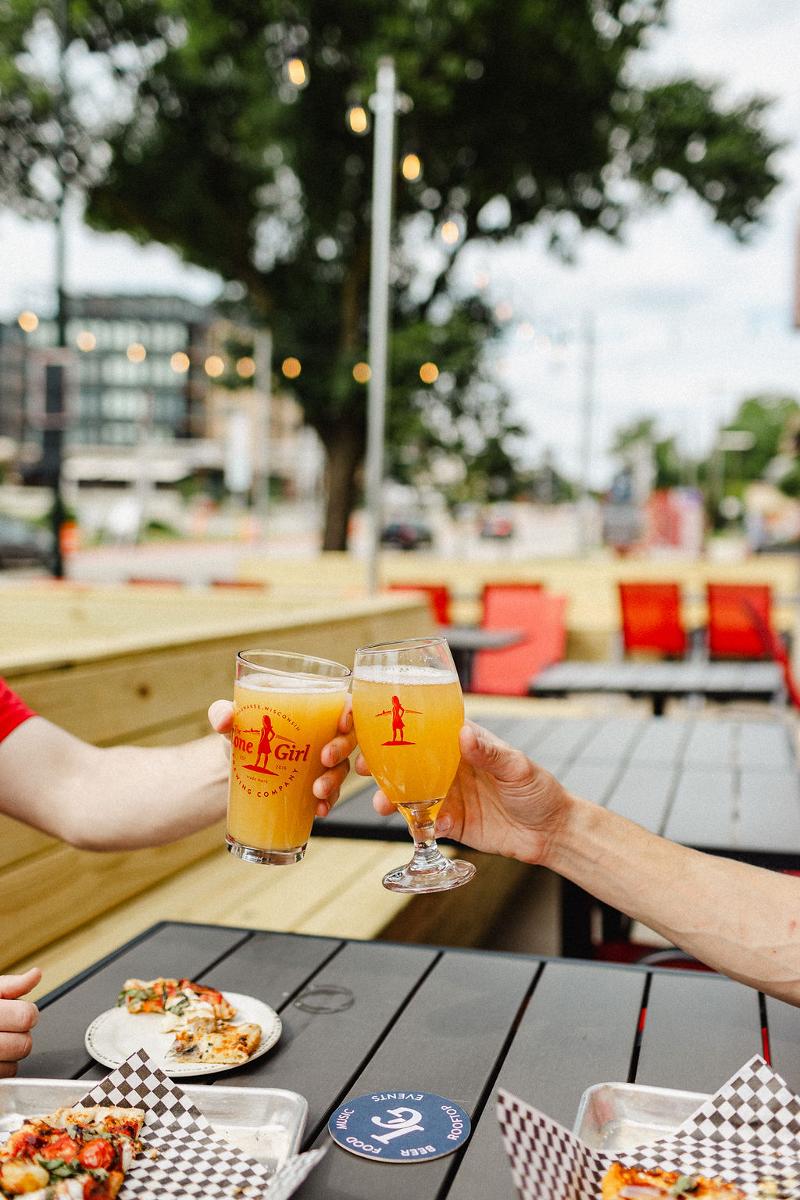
column 14, row 986
column 220, row 716
column 482, row 750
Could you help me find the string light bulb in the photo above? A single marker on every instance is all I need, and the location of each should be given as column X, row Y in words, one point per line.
column 296, row 72
column 246, row 367
column 291, row 367
column 450, row 233
column 86, row 341
column 411, row 167
column 362, row 372
column 28, row 321
column 214, row 366
column 136, row 352
column 357, row 119
column 180, row 362
column 429, row 372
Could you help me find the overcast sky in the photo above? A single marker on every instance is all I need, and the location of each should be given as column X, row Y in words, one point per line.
column 686, row 320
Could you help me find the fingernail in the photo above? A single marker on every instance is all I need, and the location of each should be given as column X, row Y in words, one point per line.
column 444, row 825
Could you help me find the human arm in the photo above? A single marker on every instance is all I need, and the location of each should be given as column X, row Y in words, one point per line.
column 17, row 1018
column 128, row 797
column 739, row 919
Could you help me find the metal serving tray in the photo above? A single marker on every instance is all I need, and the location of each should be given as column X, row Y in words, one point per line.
column 619, row 1116
column 266, row 1123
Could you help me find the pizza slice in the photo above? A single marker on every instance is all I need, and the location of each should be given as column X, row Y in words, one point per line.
column 635, row 1183
column 74, row 1153
column 146, row 996
column 173, row 996
column 229, row 1045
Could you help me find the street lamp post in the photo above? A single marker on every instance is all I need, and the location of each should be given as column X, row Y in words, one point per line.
column 384, row 105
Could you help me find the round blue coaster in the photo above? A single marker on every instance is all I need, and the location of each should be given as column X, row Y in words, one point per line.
column 399, row 1126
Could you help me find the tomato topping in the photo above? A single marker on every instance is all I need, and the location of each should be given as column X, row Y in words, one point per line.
column 97, row 1153
column 95, row 1189
column 65, row 1148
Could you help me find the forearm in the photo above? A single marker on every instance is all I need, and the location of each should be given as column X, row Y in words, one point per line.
column 739, row 919
column 123, row 797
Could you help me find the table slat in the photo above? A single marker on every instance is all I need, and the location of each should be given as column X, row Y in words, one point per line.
column 682, row 1044
column 703, row 808
column 769, row 811
column 643, row 794
column 613, row 740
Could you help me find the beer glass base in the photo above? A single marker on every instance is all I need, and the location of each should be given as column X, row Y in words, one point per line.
column 407, row 879
column 270, row 858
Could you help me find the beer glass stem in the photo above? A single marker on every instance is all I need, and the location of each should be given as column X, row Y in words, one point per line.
column 427, row 855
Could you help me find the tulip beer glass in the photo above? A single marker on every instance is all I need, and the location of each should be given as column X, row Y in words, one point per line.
column 408, row 710
column 285, row 708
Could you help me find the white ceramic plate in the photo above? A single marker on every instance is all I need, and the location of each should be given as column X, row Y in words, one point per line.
column 116, row 1034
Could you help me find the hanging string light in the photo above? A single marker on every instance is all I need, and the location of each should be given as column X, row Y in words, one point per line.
column 411, row 167
column 180, row 362
column 214, row 366
column 246, row 367
column 291, row 367
column 357, row 119
column 86, row 341
column 296, row 72
column 362, row 372
column 136, row 352
column 429, row 372
column 28, row 321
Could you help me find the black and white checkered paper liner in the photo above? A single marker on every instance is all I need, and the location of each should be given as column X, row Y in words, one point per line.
column 746, row 1132
column 181, row 1154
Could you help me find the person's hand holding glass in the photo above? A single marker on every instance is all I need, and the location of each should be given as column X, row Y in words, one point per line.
column 408, row 710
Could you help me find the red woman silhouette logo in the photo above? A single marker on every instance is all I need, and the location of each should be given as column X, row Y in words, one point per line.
column 285, row 750
column 397, row 712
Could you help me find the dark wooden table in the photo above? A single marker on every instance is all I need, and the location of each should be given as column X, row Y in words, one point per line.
column 456, row 1022
column 466, row 640
column 728, row 787
column 662, row 681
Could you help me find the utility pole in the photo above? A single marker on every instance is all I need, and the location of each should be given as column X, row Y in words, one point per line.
column 384, row 105
column 587, row 416
column 55, row 392
column 263, row 356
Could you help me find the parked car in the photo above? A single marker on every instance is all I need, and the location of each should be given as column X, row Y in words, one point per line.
column 497, row 527
column 406, row 535
column 23, row 544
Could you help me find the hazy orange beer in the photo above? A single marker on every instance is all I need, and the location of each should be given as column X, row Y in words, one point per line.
column 415, row 709
column 286, row 707
column 408, row 710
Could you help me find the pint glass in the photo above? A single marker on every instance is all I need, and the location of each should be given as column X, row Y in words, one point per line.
column 286, row 707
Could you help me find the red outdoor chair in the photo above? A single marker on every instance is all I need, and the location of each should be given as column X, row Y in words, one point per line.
column 739, row 620
column 540, row 615
column 773, row 647
column 438, row 597
column 651, row 618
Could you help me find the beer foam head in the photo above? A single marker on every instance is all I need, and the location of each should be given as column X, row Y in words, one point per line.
column 403, row 673
column 269, row 681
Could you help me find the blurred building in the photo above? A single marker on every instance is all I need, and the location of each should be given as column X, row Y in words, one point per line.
column 149, row 373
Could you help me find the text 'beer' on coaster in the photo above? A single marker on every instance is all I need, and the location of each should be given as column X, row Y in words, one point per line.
column 399, row 1126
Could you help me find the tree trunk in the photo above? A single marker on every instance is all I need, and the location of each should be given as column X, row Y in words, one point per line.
column 345, row 449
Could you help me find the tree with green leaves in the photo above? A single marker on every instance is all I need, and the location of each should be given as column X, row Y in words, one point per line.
column 232, row 144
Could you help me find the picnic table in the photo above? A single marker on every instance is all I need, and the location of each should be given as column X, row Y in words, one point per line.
column 662, row 681
column 729, row 787
column 454, row 1022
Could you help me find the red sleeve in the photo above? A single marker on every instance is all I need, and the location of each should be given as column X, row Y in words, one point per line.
column 13, row 710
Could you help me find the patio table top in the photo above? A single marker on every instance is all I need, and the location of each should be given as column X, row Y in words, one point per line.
column 660, row 681
column 458, row 1023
